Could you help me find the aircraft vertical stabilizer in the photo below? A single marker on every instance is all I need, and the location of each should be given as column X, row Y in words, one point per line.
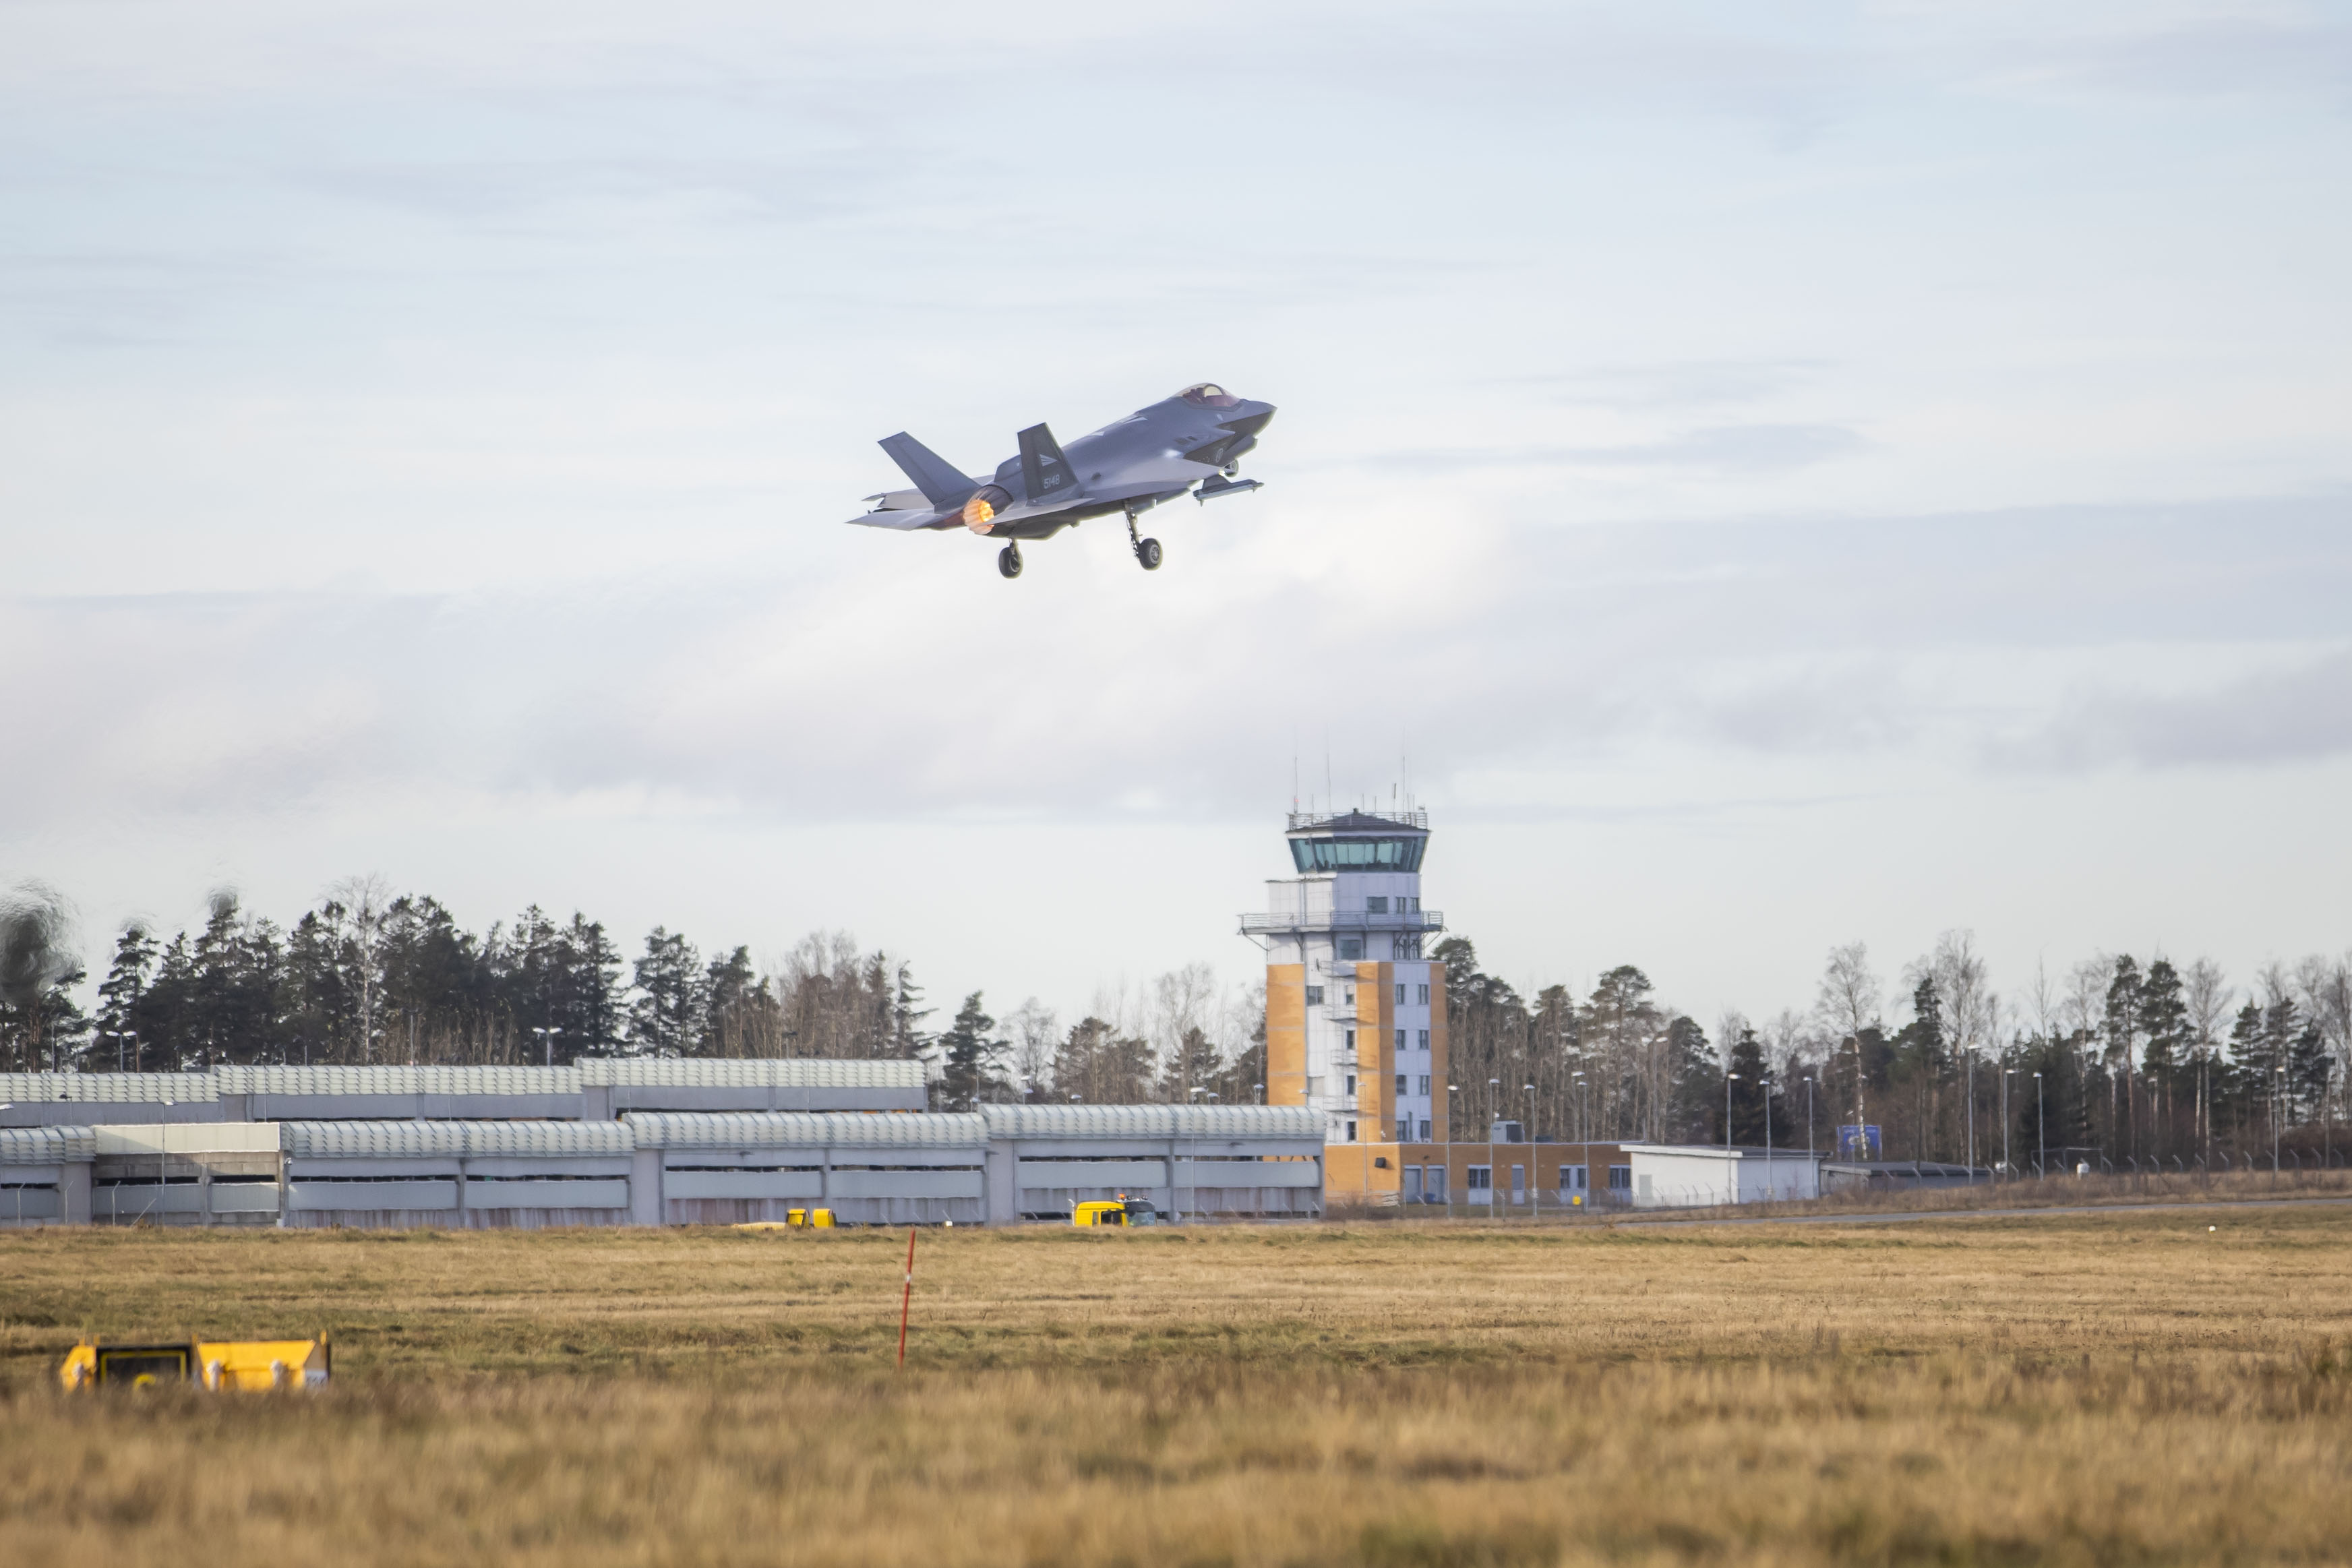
column 941, row 485
column 1044, row 472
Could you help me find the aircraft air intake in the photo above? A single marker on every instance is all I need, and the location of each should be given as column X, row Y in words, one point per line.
column 980, row 511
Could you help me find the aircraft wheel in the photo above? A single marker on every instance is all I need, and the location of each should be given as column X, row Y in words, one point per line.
column 1008, row 561
column 1147, row 552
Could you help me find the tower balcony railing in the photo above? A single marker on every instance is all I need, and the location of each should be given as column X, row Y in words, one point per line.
column 1301, row 921
column 1407, row 816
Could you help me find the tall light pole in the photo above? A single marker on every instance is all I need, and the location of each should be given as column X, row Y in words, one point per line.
column 1811, row 1147
column 1768, row 1139
column 2006, row 1074
column 1491, row 1084
column 2040, row 1132
column 1730, row 1167
column 1526, row 1129
column 2278, row 1082
column 1451, row 1090
column 1582, row 1135
column 547, row 1037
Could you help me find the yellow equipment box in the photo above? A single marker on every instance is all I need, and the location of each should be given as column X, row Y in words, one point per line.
column 215, row 1364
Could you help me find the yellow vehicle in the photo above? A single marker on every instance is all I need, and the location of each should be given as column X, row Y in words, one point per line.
column 793, row 1220
column 215, row 1364
column 1122, row 1210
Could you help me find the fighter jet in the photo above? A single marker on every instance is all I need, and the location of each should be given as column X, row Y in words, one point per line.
column 1155, row 454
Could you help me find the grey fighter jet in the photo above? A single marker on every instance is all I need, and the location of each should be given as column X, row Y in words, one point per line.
column 1155, row 454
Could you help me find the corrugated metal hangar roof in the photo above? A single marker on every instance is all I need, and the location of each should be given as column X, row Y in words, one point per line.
column 791, row 1072
column 806, row 1129
column 46, row 1145
column 339, row 1080
column 1286, row 1122
column 449, row 1139
column 109, row 1088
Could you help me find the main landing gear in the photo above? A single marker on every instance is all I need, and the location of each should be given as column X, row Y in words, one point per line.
column 1008, row 561
column 1147, row 551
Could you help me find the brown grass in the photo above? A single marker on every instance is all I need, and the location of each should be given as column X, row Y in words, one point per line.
column 2111, row 1389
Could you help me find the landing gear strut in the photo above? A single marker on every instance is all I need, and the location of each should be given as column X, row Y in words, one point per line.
column 1008, row 561
column 1147, row 551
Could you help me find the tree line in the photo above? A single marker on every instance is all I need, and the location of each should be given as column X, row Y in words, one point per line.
column 370, row 978
column 2117, row 1061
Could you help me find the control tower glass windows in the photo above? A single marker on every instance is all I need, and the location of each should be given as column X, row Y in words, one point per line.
column 1376, row 906
column 1400, row 854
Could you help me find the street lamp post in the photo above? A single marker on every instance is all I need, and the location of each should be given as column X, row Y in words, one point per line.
column 1768, row 1139
column 2040, row 1132
column 2278, row 1077
column 1492, row 1085
column 2006, row 1074
column 1730, row 1169
column 1526, row 1129
column 547, row 1037
column 1451, row 1090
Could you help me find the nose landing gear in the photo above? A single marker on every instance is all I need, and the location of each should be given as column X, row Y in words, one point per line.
column 1147, row 551
column 1008, row 561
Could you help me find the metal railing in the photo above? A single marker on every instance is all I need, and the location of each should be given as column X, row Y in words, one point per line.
column 1344, row 919
column 1412, row 817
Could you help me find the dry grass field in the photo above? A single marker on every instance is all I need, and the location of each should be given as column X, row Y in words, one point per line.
column 2117, row 1388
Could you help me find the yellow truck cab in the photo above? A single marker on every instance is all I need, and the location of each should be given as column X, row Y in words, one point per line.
column 1119, row 1211
column 217, row 1365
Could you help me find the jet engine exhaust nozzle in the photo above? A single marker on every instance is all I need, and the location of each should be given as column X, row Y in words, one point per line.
column 980, row 511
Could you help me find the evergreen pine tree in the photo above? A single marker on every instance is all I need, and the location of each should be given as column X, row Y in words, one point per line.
column 671, row 1010
column 119, row 993
column 970, row 1058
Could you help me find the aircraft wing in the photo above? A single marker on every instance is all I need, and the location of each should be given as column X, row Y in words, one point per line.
column 1148, row 475
column 904, row 518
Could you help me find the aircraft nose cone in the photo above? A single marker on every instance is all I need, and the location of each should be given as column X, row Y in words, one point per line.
column 1249, row 418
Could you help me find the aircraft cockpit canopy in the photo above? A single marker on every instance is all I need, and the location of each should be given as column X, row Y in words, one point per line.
column 1208, row 395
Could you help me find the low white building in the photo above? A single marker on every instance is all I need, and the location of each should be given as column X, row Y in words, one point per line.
column 1693, row 1175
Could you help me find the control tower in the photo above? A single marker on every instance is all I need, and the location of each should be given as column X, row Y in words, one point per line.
column 1355, row 1017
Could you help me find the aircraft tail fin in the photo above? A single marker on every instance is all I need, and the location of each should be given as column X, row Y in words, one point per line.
column 1044, row 472
column 941, row 485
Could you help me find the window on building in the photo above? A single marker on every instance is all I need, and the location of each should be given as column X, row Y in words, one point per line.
column 1351, row 1083
column 1425, row 1126
column 1424, row 1081
column 1400, row 996
column 1401, row 1091
column 1351, row 947
column 1572, row 1178
column 1351, row 1040
column 1479, row 1179
column 1351, row 1132
column 1400, row 1039
column 1376, row 906
column 1356, row 854
column 1424, row 995
column 1404, row 1132
column 1424, row 1039
column 1621, row 1178
column 1315, row 995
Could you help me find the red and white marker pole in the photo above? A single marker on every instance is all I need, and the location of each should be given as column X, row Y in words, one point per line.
column 907, row 1302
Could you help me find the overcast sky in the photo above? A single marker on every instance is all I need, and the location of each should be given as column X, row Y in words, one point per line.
column 1763, row 482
